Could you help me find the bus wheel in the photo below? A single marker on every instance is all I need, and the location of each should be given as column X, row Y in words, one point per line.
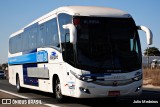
column 19, row 88
column 57, row 91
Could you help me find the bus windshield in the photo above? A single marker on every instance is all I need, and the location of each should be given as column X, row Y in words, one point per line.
column 107, row 44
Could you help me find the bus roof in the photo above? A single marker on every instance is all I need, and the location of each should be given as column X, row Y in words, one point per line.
column 94, row 11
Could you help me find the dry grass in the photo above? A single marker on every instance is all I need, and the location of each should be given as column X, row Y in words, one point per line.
column 152, row 76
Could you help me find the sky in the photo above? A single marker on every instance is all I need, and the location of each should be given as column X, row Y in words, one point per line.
column 15, row 14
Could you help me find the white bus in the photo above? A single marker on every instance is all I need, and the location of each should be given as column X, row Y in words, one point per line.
column 79, row 51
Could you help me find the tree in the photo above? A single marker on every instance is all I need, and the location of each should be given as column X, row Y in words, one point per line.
column 4, row 66
column 152, row 51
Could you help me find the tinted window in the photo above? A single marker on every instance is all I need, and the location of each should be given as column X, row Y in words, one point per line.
column 36, row 36
column 48, row 34
column 14, row 44
column 67, row 47
column 64, row 19
column 42, row 35
column 52, row 33
column 115, row 45
column 33, row 32
column 25, row 44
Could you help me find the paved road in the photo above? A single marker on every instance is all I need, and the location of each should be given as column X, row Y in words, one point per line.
column 149, row 98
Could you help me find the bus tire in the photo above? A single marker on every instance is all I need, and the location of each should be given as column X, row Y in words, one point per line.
column 57, row 91
column 18, row 86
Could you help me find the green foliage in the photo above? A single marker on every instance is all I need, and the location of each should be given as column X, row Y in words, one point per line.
column 152, row 51
column 3, row 66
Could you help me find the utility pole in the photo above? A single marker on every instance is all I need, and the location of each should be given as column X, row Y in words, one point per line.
column 147, row 56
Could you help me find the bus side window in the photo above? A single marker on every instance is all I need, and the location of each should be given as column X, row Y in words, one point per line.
column 25, row 45
column 33, row 38
column 41, row 36
column 48, row 34
column 67, row 47
column 52, row 33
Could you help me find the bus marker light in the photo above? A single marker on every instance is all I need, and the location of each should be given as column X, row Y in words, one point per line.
column 76, row 21
column 138, row 88
column 85, row 90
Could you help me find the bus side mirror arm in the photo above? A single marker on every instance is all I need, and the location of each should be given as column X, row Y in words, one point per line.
column 72, row 31
column 148, row 32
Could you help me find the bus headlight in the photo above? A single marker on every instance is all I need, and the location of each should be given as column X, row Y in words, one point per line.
column 83, row 78
column 137, row 78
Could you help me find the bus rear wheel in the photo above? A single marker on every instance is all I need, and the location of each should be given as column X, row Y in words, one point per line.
column 18, row 86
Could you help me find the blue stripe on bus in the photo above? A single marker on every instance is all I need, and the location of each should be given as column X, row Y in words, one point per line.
column 27, row 60
column 35, row 57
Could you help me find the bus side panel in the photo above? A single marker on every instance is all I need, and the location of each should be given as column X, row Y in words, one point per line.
column 55, row 66
column 46, row 84
column 13, row 70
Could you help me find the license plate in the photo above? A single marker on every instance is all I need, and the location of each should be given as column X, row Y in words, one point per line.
column 114, row 93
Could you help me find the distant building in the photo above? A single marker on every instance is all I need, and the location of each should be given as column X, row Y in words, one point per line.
column 148, row 60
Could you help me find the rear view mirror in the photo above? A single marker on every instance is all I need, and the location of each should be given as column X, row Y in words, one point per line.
column 72, row 32
column 149, row 34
